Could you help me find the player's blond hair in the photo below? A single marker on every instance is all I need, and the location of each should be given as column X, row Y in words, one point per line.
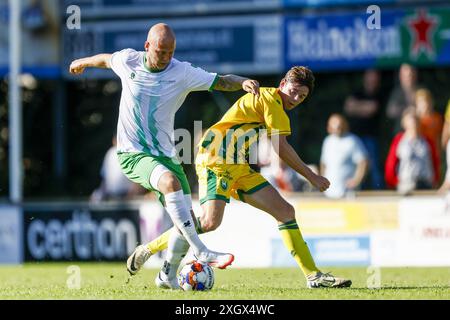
column 301, row 75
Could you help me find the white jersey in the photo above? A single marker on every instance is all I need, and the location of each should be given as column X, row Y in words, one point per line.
column 150, row 100
column 341, row 155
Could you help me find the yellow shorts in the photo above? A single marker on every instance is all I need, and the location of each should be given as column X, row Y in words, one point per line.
column 220, row 181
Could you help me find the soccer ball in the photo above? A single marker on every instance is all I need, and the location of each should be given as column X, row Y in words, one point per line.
column 196, row 276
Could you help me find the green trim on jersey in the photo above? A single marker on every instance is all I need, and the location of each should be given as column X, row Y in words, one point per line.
column 144, row 60
column 138, row 167
column 227, row 140
column 211, row 88
column 152, row 124
column 242, row 144
column 140, row 130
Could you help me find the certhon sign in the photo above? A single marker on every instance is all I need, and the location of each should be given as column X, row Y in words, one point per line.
column 80, row 234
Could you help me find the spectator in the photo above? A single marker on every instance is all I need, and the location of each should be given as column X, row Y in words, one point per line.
column 430, row 121
column 363, row 111
column 284, row 178
column 446, row 145
column 446, row 129
column 343, row 160
column 278, row 173
column 446, row 184
column 402, row 96
column 114, row 185
column 412, row 162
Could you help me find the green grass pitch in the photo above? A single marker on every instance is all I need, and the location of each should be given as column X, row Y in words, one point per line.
column 108, row 281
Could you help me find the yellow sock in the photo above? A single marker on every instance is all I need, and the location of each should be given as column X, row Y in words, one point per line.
column 160, row 243
column 293, row 240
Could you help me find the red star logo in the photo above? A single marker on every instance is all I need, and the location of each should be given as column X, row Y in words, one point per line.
column 421, row 28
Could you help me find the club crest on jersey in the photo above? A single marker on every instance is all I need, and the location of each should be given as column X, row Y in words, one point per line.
column 132, row 75
column 224, row 184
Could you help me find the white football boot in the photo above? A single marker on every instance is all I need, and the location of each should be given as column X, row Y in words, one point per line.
column 163, row 282
column 137, row 259
column 326, row 280
column 215, row 259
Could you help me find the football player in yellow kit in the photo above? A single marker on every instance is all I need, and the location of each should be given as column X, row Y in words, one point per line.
column 223, row 170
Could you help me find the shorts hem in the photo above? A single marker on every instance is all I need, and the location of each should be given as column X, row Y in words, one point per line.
column 252, row 190
column 214, row 197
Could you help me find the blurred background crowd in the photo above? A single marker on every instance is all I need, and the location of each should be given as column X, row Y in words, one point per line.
column 377, row 120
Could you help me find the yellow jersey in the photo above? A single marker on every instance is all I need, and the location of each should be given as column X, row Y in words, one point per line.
column 233, row 139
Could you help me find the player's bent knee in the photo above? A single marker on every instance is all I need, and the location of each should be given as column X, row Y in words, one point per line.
column 287, row 213
column 168, row 183
column 290, row 210
column 210, row 225
column 207, row 227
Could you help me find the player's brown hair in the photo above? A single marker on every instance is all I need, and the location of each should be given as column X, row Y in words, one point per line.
column 301, row 75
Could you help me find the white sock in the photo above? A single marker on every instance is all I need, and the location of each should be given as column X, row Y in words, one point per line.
column 181, row 218
column 176, row 250
column 188, row 201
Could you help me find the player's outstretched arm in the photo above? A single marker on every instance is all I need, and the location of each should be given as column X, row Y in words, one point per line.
column 231, row 82
column 98, row 61
column 288, row 155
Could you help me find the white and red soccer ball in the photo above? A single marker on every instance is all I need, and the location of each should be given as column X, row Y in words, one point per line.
column 196, row 276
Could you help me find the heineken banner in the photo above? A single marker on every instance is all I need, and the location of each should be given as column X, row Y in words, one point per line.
column 272, row 43
column 318, row 3
column 354, row 40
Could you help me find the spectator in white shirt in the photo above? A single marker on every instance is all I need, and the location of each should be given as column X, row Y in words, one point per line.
column 343, row 159
column 114, row 185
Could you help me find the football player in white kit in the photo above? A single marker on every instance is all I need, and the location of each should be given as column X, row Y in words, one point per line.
column 154, row 86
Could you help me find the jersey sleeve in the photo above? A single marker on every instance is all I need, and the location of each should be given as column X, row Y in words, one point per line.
column 198, row 79
column 118, row 61
column 275, row 118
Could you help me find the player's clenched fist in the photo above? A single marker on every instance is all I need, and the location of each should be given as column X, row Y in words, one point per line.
column 320, row 183
column 77, row 66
